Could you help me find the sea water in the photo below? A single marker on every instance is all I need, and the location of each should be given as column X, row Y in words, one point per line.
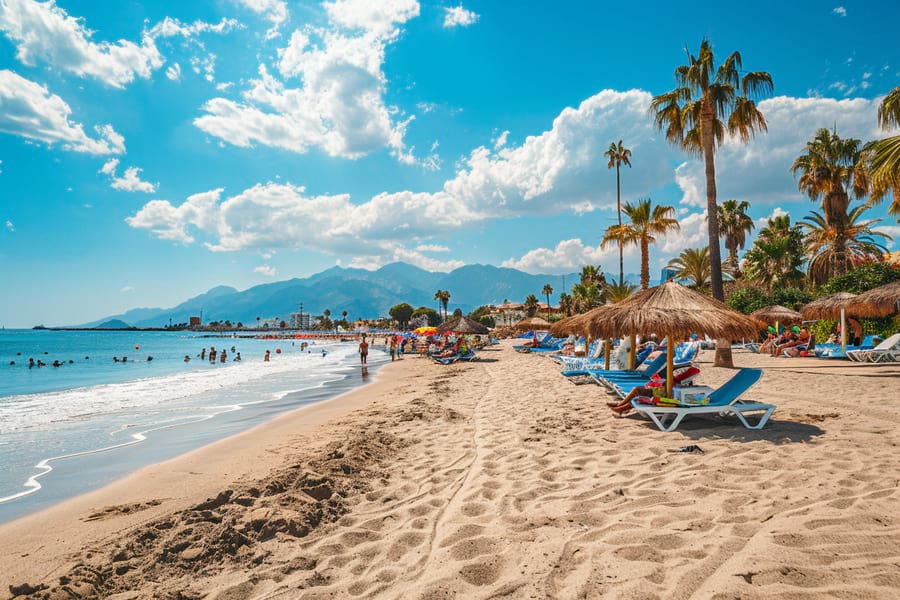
column 69, row 429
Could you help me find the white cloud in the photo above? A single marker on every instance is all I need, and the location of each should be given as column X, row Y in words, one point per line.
column 130, row 181
column 10, row 226
column 1, row 170
column 340, row 106
column 776, row 212
column 266, row 270
column 501, row 140
column 224, row 87
column 29, row 110
column 174, row 72
column 431, row 248
column 839, row 11
column 559, row 170
column 44, row 32
column 127, row 289
column 205, row 66
column 274, row 11
column 458, row 16
column 891, row 230
column 760, row 171
column 170, row 27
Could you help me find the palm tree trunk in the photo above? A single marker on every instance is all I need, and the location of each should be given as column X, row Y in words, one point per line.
column 619, row 214
column 723, row 347
column 645, row 264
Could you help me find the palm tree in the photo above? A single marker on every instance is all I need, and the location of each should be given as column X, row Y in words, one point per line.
column 548, row 289
column 445, row 300
column 616, row 292
column 647, row 221
column 531, row 305
column 257, row 322
column 709, row 102
column 734, row 224
column 777, row 254
column 586, row 296
column 885, row 154
column 618, row 155
column 592, row 274
column 566, row 303
column 693, row 265
column 344, row 314
column 860, row 243
column 834, row 170
column 439, row 296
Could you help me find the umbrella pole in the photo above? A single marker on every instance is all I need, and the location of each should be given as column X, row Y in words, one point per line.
column 631, row 352
column 843, row 332
column 606, row 344
column 670, row 369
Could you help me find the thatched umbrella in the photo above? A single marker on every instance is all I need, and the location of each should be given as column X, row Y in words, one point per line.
column 463, row 325
column 831, row 307
column 675, row 311
column 567, row 326
column 877, row 302
column 777, row 314
column 529, row 323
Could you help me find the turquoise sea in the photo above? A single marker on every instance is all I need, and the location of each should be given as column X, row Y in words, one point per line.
column 66, row 430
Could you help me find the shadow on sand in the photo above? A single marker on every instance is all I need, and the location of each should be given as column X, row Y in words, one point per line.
column 728, row 428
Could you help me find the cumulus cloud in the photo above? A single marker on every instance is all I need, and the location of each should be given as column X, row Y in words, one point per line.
column 572, row 254
column 458, row 16
column 339, row 106
column 759, row 171
column 29, row 110
column 556, row 171
column 10, row 226
column 265, row 270
column 501, row 140
column 839, row 11
column 130, row 181
column 126, row 289
column 891, row 230
column 274, row 11
column 44, row 32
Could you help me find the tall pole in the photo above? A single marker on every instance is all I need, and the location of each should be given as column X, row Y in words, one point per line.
column 619, row 214
column 843, row 332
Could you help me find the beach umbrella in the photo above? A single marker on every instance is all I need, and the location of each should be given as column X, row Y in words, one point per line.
column 567, row 326
column 674, row 311
column 831, row 307
column 425, row 330
column 463, row 325
column 532, row 323
column 877, row 302
column 777, row 314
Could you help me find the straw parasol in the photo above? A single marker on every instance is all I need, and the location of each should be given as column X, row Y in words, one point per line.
column 463, row 325
column 777, row 314
column 675, row 311
column 567, row 326
column 530, row 323
column 831, row 307
column 877, row 302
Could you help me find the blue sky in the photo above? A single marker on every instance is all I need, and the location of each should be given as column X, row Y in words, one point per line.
column 152, row 150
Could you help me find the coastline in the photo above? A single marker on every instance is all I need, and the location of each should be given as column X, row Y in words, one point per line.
column 184, row 478
column 498, row 478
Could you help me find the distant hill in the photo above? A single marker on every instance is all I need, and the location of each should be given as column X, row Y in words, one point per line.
column 362, row 293
column 113, row 324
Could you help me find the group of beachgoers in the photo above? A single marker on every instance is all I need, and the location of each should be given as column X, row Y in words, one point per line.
column 216, row 355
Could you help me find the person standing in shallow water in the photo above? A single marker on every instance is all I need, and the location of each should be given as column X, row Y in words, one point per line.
column 363, row 350
column 266, row 357
column 393, row 348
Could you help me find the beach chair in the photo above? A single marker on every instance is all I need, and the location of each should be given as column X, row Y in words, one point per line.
column 684, row 376
column 449, row 360
column 723, row 401
column 887, row 351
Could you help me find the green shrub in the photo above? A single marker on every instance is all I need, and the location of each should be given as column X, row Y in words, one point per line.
column 861, row 279
column 791, row 297
column 746, row 300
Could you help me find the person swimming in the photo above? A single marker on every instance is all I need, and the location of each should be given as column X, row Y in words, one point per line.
column 238, row 357
column 187, row 358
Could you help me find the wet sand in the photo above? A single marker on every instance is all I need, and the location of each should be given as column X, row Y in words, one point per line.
column 500, row 479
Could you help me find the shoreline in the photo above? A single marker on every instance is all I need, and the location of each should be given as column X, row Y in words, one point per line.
column 498, row 478
column 185, row 476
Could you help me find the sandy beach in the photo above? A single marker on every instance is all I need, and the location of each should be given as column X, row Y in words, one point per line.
column 499, row 479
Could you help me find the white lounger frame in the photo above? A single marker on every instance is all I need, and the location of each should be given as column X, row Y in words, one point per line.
column 674, row 414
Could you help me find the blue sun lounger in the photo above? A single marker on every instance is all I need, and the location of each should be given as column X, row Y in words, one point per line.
column 724, row 401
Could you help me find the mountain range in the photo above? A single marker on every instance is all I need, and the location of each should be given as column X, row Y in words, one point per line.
column 362, row 293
